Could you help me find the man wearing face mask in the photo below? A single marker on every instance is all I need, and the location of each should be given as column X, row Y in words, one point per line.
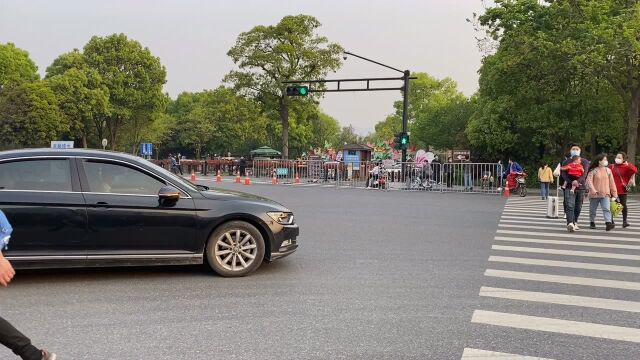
column 573, row 200
column 622, row 174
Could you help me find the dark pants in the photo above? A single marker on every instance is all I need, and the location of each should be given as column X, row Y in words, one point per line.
column 180, row 169
column 625, row 211
column 17, row 342
column 243, row 171
column 573, row 204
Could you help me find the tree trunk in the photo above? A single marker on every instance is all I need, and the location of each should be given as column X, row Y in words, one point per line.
column 284, row 118
column 84, row 141
column 632, row 130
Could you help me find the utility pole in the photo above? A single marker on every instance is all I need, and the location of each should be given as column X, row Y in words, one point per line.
column 405, row 110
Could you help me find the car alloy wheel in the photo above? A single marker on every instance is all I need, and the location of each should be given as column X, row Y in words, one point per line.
column 236, row 250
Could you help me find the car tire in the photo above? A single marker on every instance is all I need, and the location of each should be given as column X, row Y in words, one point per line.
column 235, row 249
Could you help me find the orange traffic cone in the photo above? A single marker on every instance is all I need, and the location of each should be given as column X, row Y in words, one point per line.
column 238, row 178
column 274, row 179
column 297, row 179
column 246, row 180
column 193, row 175
column 218, row 177
column 506, row 193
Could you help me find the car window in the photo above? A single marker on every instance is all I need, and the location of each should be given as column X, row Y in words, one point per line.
column 37, row 175
column 118, row 179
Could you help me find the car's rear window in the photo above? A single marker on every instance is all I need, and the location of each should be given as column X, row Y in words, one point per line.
column 37, row 175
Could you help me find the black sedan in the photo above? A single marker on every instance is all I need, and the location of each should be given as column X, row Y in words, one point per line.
column 76, row 208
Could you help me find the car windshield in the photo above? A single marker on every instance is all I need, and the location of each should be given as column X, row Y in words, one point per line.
column 177, row 179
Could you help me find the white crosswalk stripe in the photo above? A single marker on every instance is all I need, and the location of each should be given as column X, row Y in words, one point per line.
column 565, row 264
column 561, row 299
column 477, row 354
column 560, row 279
column 556, row 325
column 533, row 250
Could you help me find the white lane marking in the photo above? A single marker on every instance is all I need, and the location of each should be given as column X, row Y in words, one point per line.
column 565, row 264
column 556, row 325
column 566, row 252
column 561, row 279
column 560, row 299
column 577, row 235
column 477, row 354
column 543, row 212
column 573, row 243
column 559, row 227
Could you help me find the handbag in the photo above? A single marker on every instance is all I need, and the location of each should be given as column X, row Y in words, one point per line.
column 556, row 172
column 627, row 186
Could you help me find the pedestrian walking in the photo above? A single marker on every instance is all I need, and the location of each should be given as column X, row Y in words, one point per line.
column 623, row 172
column 468, row 177
column 573, row 200
column 558, row 173
column 9, row 335
column 602, row 190
column 174, row 164
column 242, row 164
column 500, row 174
column 545, row 176
column 179, row 164
column 448, row 171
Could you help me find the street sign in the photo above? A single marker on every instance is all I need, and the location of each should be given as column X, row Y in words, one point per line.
column 104, row 143
column 62, row 144
column 146, row 149
column 460, row 155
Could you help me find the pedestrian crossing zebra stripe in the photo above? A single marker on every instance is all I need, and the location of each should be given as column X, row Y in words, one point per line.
column 565, row 264
column 563, row 242
column 561, row 279
column 565, row 252
column 561, row 299
column 562, row 229
column 576, row 235
column 477, row 354
column 546, row 324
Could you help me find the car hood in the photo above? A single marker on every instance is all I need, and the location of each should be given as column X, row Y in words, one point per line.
column 224, row 194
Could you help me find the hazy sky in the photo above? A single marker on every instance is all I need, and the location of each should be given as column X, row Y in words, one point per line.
column 192, row 37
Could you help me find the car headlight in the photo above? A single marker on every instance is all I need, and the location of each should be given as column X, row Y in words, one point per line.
column 282, row 218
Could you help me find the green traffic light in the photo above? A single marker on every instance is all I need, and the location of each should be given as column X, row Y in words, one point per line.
column 404, row 141
column 302, row 90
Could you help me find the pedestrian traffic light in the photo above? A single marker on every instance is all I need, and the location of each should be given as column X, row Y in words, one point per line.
column 297, row 90
column 404, row 140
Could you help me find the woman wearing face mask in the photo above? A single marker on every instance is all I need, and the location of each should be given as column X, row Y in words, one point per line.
column 573, row 199
column 602, row 190
column 622, row 174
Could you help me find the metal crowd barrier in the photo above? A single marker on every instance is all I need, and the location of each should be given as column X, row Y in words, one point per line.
column 441, row 177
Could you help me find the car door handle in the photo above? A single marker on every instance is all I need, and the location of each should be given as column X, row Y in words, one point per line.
column 102, row 204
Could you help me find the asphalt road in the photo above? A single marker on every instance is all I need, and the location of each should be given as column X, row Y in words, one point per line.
column 379, row 275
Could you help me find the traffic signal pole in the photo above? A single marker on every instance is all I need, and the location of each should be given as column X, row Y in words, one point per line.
column 406, row 76
column 405, row 111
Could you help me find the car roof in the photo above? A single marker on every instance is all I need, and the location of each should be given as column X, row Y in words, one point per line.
column 21, row 153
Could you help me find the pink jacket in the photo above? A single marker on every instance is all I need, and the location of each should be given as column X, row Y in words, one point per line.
column 600, row 183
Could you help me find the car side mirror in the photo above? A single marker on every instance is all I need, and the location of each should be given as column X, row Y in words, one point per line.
column 168, row 193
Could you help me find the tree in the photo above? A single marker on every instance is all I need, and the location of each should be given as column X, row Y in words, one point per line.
column 348, row 135
column 564, row 68
column 15, row 66
column 436, row 114
column 538, row 91
column 82, row 97
column 30, row 116
column 268, row 55
column 134, row 78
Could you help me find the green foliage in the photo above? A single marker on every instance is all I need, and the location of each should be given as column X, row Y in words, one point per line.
column 82, row 98
column 134, row 78
column 268, row 55
column 30, row 116
column 15, row 66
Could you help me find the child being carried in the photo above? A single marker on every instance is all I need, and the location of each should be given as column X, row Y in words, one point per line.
column 575, row 170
